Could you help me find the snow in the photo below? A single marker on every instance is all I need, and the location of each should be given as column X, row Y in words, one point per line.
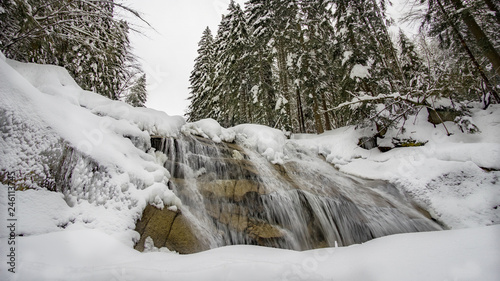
column 346, row 56
column 360, row 71
column 267, row 141
column 115, row 172
column 82, row 254
column 210, row 129
column 86, row 231
column 41, row 211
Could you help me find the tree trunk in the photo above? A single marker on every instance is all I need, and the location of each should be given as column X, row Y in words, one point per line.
column 284, row 83
column 483, row 42
column 328, row 123
column 300, row 112
column 317, row 116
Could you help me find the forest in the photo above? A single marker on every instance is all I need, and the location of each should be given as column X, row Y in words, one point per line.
column 325, row 140
column 86, row 37
column 312, row 65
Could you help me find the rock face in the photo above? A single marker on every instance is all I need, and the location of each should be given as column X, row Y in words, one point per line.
column 168, row 229
column 234, row 196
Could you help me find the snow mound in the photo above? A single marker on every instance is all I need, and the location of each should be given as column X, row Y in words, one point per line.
column 38, row 211
column 267, row 141
column 209, row 129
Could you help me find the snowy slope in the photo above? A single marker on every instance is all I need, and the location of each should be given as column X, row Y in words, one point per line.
column 80, row 253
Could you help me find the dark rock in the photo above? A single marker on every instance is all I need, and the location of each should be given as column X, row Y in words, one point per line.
column 438, row 116
column 367, row 142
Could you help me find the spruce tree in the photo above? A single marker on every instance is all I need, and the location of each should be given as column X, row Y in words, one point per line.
column 202, row 92
column 261, row 22
column 370, row 65
column 138, row 93
column 468, row 32
column 83, row 36
column 232, row 85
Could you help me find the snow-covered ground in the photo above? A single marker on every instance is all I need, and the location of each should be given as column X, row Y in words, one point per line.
column 88, row 234
column 450, row 176
column 83, row 254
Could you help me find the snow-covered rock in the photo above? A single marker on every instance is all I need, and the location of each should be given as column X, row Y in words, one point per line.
column 95, row 151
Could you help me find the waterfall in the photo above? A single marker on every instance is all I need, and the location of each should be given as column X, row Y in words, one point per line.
column 235, row 196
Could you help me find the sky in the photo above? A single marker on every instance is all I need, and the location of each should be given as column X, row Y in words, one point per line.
column 167, row 53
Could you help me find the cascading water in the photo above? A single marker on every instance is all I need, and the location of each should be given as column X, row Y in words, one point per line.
column 235, row 196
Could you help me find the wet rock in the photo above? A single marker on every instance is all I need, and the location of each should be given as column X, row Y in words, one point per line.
column 168, row 229
column 182, row 238
column 233, row 190
column 258, row 229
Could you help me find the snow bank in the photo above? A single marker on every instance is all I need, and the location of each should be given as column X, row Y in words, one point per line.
column 82, row 254
column 114, row 173
column 210, row 129
column 38, row 211
column 339, row 146
column 267, row 141
column 445, row 176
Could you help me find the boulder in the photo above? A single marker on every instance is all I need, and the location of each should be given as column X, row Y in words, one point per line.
column 168, row 229
column 440, row 115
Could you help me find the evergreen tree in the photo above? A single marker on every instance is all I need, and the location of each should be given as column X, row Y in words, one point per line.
column 470, row 41
column 202, row 81
column 138, row 93
column 83, row 36
column 315, row 59
column 370, row 64
column 232, row 83
column 287, row 45
column 261, row 22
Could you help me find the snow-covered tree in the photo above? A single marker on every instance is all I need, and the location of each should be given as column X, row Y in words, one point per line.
column 469, row 31
column 202, row 77
column 83, row 36
column 261, row 21
column 232, row 85
column 138, row 93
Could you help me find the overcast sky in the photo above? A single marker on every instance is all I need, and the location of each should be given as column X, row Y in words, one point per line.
column 167, row 54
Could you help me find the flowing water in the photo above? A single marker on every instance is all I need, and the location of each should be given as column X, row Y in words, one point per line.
column 235, row 196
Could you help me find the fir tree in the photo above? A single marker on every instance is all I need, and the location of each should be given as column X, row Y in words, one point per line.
column 260, row 15
column 202, row 81
column 469, row 34
column 83, row 36
column 138, row 93
column 232, row 83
